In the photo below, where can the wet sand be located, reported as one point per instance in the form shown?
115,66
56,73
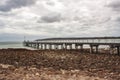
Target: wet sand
22,64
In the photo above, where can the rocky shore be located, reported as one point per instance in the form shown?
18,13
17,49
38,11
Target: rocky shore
23,64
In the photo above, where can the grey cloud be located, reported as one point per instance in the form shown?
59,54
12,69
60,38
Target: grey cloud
50,3
118,19
115,5
12,4
53,17
2,24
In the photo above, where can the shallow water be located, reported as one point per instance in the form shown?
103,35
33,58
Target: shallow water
5,45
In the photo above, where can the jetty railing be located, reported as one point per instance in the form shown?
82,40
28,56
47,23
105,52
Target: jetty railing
93,42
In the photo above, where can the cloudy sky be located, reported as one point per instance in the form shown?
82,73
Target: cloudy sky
58,18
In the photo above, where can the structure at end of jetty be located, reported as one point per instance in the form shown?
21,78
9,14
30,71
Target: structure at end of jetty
67,43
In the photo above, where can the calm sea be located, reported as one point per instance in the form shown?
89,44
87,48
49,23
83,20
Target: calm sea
5,45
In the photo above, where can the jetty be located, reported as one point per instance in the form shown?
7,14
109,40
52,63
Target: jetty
76,43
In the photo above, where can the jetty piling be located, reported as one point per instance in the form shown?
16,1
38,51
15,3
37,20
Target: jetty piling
78,43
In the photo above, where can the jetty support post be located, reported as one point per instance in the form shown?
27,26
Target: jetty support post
37,45
111,49
51,46
70,46
97,49
76,46
41,46
55,46
81,47
91,49
30,45
62,46
45,46
118,50
65,46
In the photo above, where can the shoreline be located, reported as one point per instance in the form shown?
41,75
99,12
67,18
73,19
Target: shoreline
85,50
104,67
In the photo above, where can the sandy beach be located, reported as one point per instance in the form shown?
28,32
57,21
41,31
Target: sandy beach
23,64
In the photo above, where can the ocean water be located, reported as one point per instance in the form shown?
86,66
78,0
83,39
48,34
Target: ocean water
5,45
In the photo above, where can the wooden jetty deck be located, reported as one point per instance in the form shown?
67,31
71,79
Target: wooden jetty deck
65,43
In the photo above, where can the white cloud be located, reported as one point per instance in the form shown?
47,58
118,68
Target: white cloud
58,18
54,5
